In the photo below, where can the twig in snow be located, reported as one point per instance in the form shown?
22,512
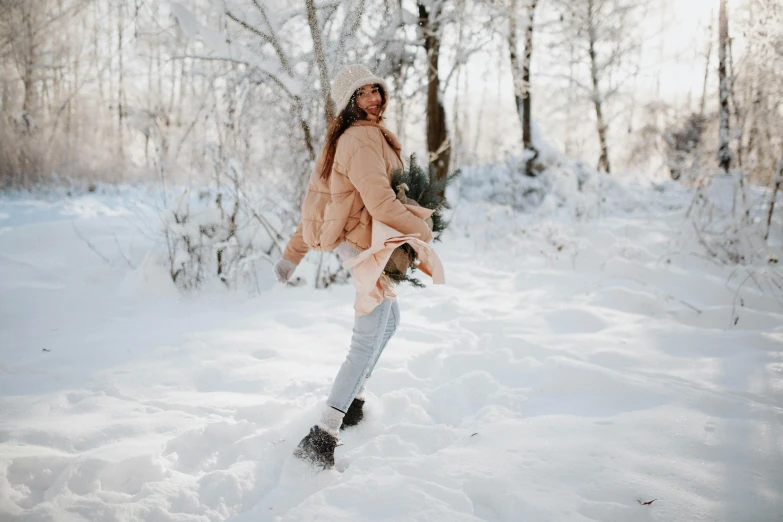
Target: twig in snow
670,296
698,311
694,254
703,241
119,249
76,231
735,317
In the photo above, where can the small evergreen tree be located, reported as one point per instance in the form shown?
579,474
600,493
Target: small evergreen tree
425,190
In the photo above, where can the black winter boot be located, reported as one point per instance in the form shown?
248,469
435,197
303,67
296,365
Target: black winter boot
317,448
354,415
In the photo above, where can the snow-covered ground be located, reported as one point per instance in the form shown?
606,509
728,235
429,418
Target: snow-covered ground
568,371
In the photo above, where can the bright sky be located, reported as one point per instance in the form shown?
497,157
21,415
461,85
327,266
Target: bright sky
685,41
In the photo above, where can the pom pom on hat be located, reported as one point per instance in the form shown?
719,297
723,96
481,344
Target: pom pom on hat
350,78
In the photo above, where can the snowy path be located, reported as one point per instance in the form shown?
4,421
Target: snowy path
563,377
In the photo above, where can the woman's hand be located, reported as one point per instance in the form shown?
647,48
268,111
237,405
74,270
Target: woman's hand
284,270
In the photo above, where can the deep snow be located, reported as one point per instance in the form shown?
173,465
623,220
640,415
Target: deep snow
567,371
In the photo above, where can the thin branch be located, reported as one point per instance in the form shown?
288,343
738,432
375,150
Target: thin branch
247,26
122,254
237,61
274,40
87,241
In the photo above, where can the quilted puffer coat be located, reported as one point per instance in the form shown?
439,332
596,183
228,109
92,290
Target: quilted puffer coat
357,192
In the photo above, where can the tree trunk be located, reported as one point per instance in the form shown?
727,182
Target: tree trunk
96,51
398,77
4,95
527,138
777,187
739,117
603,160
109,35
706,69
571,99
119,82
182,94
71,133
308,136
753,133
514,59
724,153
29,67
320,58
521,78
437,134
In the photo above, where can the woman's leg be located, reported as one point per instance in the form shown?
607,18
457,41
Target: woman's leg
355,412
369,332
391,327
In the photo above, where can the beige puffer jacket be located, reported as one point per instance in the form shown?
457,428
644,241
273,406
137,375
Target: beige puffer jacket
358,190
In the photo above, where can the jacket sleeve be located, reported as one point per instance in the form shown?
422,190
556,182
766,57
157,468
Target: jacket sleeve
367,171
296,248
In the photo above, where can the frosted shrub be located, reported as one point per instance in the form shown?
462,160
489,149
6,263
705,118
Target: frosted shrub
560,184
215,235
504,183
731,221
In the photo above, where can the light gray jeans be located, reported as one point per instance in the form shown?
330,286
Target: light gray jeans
371,333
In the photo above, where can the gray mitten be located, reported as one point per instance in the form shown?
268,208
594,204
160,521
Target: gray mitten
284,270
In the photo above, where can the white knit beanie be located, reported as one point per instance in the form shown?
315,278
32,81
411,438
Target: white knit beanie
350,78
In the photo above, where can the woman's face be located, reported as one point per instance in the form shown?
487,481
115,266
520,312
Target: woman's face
368,98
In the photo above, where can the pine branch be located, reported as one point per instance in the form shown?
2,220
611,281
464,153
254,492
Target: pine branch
424,188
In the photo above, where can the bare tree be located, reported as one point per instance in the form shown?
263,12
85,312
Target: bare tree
707,55
760,79
120,79
604,36
438,144
521,75
765,30
527,137
282,76
26,21
320,58
776,187
592,39
394,60
35,68
724,136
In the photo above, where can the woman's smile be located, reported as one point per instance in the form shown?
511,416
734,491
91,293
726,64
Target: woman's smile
368,98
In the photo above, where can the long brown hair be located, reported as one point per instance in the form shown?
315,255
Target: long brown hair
340,124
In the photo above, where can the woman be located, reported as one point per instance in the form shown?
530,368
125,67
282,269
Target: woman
348,189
